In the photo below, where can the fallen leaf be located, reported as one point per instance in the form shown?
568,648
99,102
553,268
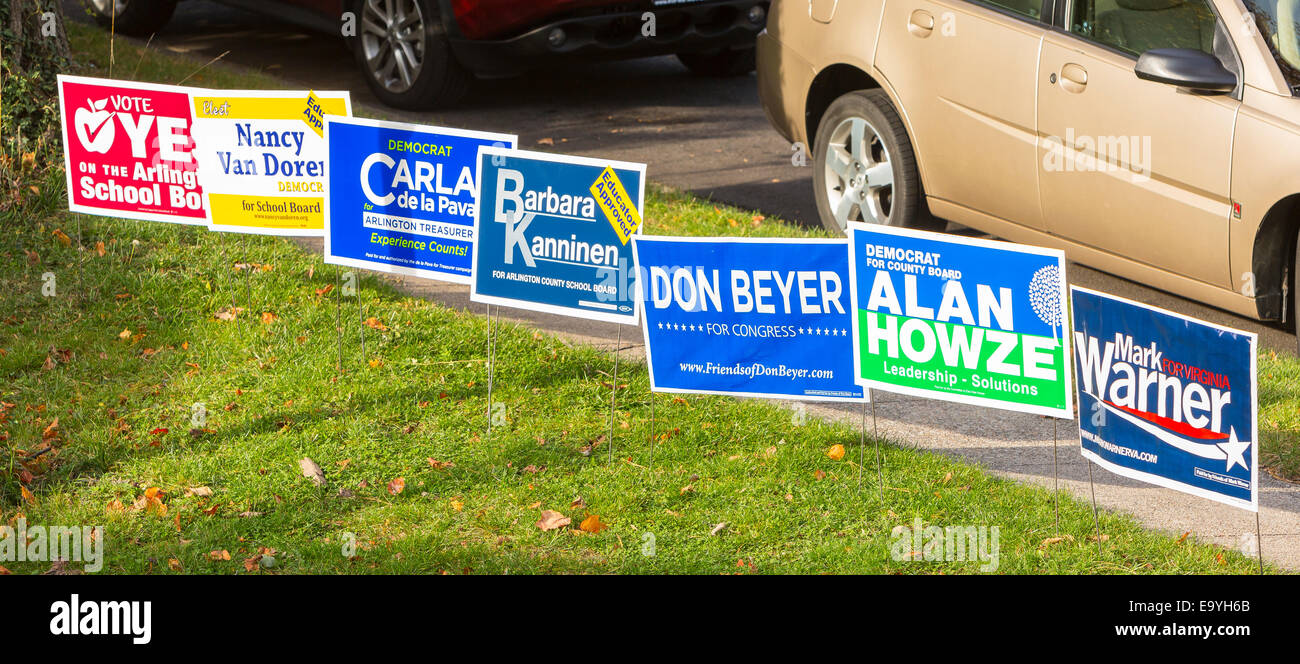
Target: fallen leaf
819,474
836,452
219,555
124,334
457,505
268,318
718,528
591,524
552,520
174,564
27,495
311,470
62,237
396,486
200,491
374,324
99,249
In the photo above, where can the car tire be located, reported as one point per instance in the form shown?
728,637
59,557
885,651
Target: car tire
721,64
135,18
405,56
864,134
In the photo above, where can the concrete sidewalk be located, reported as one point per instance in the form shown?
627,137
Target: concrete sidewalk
1012,445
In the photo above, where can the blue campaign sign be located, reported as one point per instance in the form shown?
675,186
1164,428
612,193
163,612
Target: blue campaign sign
748,317
1167,399
402,197
553,234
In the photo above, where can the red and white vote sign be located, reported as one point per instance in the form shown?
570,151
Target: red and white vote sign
128,150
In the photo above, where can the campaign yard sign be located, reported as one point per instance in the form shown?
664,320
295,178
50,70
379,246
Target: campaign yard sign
1167,399
128,150
960,319
554,234
747,317
402,198
262,159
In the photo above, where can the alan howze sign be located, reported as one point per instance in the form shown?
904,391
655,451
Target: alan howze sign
1167,399
960,319
747,317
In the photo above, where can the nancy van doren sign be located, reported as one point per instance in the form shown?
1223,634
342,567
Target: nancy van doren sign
1167,399
960,319
128,150
554,234
263,157
747,317
402,198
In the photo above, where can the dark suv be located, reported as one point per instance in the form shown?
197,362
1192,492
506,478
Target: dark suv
422,53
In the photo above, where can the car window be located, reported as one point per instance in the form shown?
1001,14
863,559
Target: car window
1030,8
1137,26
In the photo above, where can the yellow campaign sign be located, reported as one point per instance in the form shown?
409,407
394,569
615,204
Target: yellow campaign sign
619,208
261,170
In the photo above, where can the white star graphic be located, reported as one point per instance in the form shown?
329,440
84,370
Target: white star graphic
661,326
1235,450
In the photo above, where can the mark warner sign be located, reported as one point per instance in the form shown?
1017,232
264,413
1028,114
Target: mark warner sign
1167,399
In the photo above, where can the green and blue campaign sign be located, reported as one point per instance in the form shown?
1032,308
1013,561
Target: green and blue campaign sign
554,234
747,317
960,319
1167,399
402,198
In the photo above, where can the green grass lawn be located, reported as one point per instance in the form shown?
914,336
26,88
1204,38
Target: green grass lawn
101,383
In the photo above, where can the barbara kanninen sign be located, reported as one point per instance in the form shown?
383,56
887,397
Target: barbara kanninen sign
554,234
263,157
960,319
403,198
747,317
128,150
1167,399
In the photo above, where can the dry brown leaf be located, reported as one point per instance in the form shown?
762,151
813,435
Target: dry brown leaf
396,486
552,520
219,555
836,452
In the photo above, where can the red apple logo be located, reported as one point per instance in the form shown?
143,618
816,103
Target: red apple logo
94,127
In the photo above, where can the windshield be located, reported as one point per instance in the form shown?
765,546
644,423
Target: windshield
1279,22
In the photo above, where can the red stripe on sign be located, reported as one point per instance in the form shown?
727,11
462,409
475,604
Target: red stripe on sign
1180,428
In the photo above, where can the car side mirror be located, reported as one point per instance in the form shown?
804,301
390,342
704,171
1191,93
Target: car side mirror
1186,68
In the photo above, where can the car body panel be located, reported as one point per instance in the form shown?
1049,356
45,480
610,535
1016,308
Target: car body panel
1210,240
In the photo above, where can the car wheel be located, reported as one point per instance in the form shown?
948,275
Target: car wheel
405,55
864,167
724,63
137,18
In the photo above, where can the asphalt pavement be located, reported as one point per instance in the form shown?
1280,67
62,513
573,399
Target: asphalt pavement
711,138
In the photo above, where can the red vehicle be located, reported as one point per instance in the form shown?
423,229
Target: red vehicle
423,53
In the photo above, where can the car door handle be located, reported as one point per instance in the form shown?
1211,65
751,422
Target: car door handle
920,24
1074,78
